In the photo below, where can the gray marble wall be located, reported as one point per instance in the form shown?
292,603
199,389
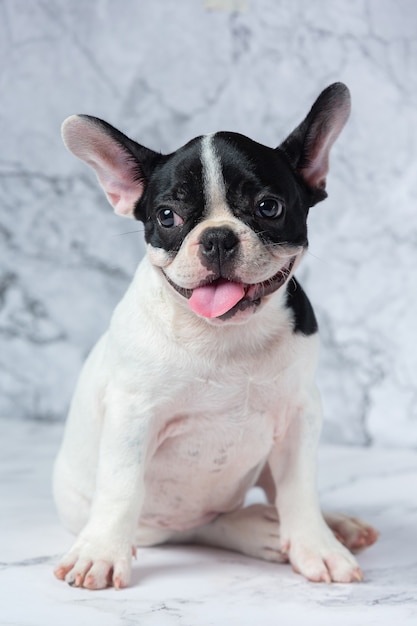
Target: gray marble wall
164,71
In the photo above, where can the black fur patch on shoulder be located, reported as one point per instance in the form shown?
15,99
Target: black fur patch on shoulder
304,319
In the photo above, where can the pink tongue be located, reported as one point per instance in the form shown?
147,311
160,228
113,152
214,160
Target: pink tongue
217,298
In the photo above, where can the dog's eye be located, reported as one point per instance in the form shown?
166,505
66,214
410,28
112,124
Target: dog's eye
168,218
269,208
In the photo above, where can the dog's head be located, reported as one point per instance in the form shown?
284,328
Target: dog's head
225,217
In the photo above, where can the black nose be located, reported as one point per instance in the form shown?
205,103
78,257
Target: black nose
219,245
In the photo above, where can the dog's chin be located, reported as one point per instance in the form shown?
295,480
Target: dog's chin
253,294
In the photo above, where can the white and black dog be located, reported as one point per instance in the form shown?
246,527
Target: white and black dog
204,384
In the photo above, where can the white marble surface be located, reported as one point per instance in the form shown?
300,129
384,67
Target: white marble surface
164,71
191,586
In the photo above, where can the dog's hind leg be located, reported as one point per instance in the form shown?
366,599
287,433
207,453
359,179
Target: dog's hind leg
253,531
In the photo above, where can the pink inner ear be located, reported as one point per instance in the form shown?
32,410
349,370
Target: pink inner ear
321,136
316,172
114,165
123,202
117,178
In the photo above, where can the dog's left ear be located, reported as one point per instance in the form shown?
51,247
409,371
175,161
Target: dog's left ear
308,146
122,165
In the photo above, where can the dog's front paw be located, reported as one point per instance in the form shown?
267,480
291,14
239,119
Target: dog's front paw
323,560
95,566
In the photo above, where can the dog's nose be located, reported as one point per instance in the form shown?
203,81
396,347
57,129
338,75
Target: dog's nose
219,245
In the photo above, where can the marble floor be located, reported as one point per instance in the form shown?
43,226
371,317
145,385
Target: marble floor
191,586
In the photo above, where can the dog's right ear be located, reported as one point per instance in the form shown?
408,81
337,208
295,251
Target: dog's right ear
122,165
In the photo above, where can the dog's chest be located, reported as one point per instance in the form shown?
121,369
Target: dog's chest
245,403
211,451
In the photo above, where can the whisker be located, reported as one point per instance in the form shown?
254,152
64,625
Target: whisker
283,253
279,248
130,232
317,257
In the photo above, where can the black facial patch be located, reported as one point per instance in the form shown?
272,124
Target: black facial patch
304,319
176,184
253,172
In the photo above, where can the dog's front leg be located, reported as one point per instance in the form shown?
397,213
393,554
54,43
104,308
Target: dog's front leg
311,546
102,553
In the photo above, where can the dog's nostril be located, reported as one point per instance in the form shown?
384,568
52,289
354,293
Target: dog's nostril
209,245
230,240
218,241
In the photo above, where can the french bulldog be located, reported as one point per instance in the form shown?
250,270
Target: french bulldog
204,384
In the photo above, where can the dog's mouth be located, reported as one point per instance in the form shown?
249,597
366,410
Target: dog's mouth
221,298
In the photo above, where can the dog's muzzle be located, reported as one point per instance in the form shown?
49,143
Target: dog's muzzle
222,298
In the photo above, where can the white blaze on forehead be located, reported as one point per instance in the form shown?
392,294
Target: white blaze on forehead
214,187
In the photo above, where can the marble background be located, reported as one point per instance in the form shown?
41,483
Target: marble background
163,72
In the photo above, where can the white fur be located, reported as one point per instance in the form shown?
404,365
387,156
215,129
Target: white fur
214,187
173,420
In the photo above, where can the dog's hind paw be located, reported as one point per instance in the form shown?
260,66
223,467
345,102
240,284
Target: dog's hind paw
352,532
253,531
